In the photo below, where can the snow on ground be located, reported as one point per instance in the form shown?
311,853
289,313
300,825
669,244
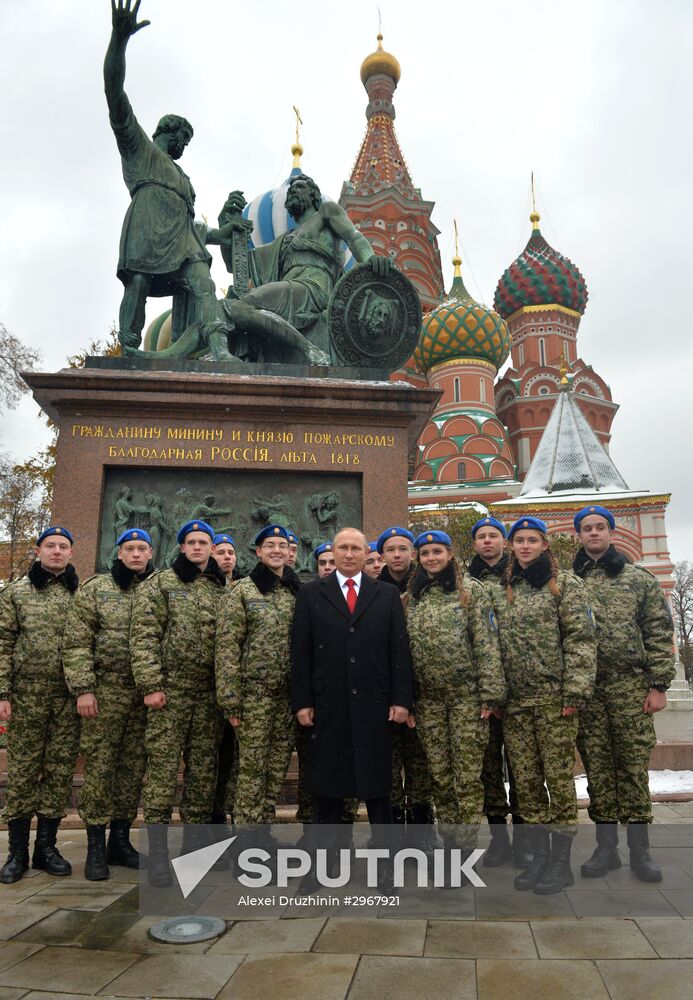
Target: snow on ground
660,782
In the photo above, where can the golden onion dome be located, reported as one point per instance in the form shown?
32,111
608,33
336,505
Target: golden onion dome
380,61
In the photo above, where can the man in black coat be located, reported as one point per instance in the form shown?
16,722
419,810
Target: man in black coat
351,677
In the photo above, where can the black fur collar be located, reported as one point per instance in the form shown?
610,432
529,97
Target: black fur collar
266,581
187,571
124,576
612,562
446,579
537,574
479,568
40,577
402,584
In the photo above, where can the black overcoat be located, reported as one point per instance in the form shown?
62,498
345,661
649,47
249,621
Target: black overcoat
350,669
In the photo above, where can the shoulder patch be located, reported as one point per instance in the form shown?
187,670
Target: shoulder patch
492,620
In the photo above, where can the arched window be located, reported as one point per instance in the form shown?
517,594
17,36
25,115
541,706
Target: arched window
521,354
542,352
482,391
461,470
456,390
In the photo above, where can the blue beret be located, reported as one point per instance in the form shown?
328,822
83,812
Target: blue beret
489,522
55,530
533,523
373,546
135,535
271,531
194,526
602,511
292,536
224,539
325,547
428,537
393,533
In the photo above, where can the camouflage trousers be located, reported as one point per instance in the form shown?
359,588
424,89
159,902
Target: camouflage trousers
227,770
541,748
265,741
615,738
304,813
493,775
454,739
411,778
187,725
112,746
42,746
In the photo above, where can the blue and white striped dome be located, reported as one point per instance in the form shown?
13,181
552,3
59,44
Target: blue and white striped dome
270,218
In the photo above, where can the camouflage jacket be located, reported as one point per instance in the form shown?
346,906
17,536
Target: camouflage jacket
97,639
454,647
635,632
174,618
548,643
33,619
489,576
254,638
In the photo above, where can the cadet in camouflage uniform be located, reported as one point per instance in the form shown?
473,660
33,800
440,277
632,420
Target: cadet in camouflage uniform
488,565
412,789
172,654
43,735
373,565
458,681
96,660
635,666
224,551
549,651
253,675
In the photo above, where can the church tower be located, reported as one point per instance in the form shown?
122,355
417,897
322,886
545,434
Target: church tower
542,297
380,197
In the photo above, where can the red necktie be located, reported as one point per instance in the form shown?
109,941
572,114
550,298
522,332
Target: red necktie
351,596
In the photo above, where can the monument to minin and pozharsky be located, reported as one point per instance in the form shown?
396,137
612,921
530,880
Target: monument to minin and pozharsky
271,404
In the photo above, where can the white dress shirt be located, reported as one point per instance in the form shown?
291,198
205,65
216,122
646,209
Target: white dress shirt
341,580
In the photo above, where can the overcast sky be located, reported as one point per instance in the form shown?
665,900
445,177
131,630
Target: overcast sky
593,95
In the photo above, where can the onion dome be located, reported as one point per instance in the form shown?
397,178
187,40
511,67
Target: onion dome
541,276
380,61
461,327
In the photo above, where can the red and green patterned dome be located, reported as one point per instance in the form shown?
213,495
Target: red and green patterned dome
461,327
541,276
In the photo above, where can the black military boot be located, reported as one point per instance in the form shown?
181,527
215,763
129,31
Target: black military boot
558,874
18,858
158,870
539,841
641,860
605,857
499,851
46,855
120,851
424,837
522,847
96,867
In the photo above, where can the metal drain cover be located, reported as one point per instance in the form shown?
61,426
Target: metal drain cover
187,930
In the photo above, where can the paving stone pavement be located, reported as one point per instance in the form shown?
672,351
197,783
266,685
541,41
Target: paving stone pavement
603,939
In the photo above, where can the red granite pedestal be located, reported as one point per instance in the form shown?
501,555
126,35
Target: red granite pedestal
231,435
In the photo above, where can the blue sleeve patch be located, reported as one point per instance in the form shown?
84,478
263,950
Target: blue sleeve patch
493,621
590,618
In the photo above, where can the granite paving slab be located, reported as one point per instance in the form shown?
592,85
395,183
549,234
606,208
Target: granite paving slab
642,980
68,969
479,939
379,978
498,979
296,977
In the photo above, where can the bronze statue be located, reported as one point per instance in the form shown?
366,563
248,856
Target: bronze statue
162,252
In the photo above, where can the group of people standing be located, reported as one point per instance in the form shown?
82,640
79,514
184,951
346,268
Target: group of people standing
403,681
